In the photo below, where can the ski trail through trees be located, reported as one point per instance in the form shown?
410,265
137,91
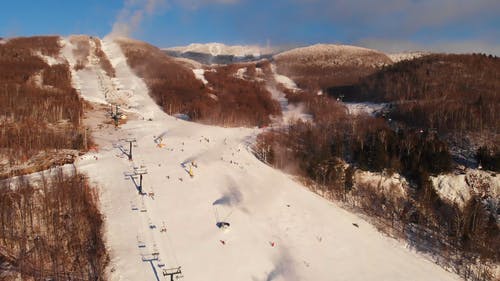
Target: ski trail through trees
278,230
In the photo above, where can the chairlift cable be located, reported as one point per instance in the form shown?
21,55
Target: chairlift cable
216,214
229,215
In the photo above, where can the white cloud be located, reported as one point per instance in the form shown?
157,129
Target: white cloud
133,12
195,4
455,26
401,15
131,15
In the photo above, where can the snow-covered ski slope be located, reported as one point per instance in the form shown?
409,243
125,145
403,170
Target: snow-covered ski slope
278,229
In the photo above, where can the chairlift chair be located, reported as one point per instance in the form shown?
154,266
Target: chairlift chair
223,224
133,206
151,225
160,263
143,207
140,243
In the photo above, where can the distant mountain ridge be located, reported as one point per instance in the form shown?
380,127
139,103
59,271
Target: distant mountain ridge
218,53
217,49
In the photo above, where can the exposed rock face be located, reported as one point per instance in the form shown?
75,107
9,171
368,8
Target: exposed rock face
460,188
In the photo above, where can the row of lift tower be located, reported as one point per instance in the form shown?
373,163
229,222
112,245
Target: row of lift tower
138,173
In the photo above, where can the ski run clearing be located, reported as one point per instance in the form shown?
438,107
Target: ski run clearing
234,219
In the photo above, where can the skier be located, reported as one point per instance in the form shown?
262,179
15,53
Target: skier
163,228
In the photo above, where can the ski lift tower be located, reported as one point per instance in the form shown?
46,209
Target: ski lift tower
140,172
116,115
130,141
176,271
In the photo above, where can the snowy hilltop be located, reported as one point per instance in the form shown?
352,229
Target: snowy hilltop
218,53
219,49
331,54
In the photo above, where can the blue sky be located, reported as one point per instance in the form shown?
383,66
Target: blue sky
390,25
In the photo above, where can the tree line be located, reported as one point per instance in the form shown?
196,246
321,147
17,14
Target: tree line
450,93
51,229
226,100
327,152
39,109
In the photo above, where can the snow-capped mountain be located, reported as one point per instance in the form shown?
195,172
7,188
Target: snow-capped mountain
219,49
219,53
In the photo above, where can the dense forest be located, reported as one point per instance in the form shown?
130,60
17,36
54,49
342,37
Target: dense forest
39,109
444,92
226,101
241,99
434,102
51,229
328,152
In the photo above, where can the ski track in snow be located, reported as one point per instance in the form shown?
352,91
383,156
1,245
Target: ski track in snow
278,229
290,112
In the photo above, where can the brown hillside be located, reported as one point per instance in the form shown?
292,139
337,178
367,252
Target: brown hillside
321,66
447,92
40,112
51,229
225,100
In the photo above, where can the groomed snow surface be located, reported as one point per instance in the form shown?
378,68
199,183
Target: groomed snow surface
278,229
290,112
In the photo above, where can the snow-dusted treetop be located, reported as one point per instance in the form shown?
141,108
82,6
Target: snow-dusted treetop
397,57
336,55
